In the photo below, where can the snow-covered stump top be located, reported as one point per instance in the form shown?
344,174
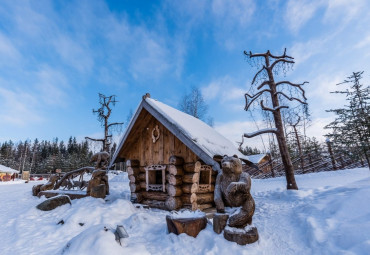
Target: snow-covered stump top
188,222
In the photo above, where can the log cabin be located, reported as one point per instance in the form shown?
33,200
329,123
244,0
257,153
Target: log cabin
263,163
7,173
172,159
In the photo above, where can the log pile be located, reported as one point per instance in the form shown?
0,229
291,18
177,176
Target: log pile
133,171
175,179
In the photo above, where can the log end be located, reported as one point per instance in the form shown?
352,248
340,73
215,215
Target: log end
189,226
241,236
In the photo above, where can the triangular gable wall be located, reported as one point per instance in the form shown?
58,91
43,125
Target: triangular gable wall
139,143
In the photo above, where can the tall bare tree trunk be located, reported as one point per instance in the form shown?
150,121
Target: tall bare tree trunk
268,80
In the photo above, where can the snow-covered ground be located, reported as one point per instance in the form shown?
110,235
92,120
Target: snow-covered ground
330,214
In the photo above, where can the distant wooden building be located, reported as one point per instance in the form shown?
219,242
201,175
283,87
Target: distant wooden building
7,174
172,158
262,161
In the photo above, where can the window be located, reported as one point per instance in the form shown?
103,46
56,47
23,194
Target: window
155,178
205,177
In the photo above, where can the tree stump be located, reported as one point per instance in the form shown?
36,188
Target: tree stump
98,191
189,226
241,236
52,203
219,222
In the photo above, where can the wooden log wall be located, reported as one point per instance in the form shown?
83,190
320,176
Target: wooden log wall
182,186
174,183
199,199
133,171
190,184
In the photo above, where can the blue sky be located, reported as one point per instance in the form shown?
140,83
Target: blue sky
55,56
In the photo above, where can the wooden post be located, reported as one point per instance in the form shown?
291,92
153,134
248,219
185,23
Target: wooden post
331,154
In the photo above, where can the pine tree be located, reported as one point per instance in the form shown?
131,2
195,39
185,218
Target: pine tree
351,128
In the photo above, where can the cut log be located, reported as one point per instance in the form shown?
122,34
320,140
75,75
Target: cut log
133,171
142,185
174,160
141,177
192,167
194,206
201,207
241,236
185,198
155,204
208,190
191,178
131,178
189,226
134,188
154,195
136,197
132,163
173,179
190,188
175,170
193,198
173,203
173,191
202,198
98,191
219,222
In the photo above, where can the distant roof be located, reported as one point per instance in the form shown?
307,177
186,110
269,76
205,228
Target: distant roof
255,159
202,139
5,169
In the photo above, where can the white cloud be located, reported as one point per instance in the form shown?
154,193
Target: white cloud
73,53
363,43
235,129
18,108
51,86
237,11
343,11
298,13
225,91
316,129
8,52
212,90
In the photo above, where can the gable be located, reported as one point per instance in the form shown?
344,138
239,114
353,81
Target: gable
139,143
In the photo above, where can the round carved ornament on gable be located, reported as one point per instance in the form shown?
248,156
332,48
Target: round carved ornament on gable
155,134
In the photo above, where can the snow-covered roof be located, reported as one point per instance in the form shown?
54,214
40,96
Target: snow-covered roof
202,139
5,169
255,159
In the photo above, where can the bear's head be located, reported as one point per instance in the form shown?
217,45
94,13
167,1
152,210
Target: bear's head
231,165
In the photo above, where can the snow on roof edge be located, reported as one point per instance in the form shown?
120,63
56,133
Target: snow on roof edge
5,169
153,103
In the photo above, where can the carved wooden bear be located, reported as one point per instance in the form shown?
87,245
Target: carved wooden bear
101,158
233,190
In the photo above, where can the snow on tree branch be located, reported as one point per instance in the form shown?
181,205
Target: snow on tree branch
290,98
297,85
260,132
272,109
253,98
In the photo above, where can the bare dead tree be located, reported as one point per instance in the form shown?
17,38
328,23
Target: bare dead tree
294,126
103,113
276,93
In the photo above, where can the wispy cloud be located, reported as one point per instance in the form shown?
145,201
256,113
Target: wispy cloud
298,13
8,52
234,130
18,108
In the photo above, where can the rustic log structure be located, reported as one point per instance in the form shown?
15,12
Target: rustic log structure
167,166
